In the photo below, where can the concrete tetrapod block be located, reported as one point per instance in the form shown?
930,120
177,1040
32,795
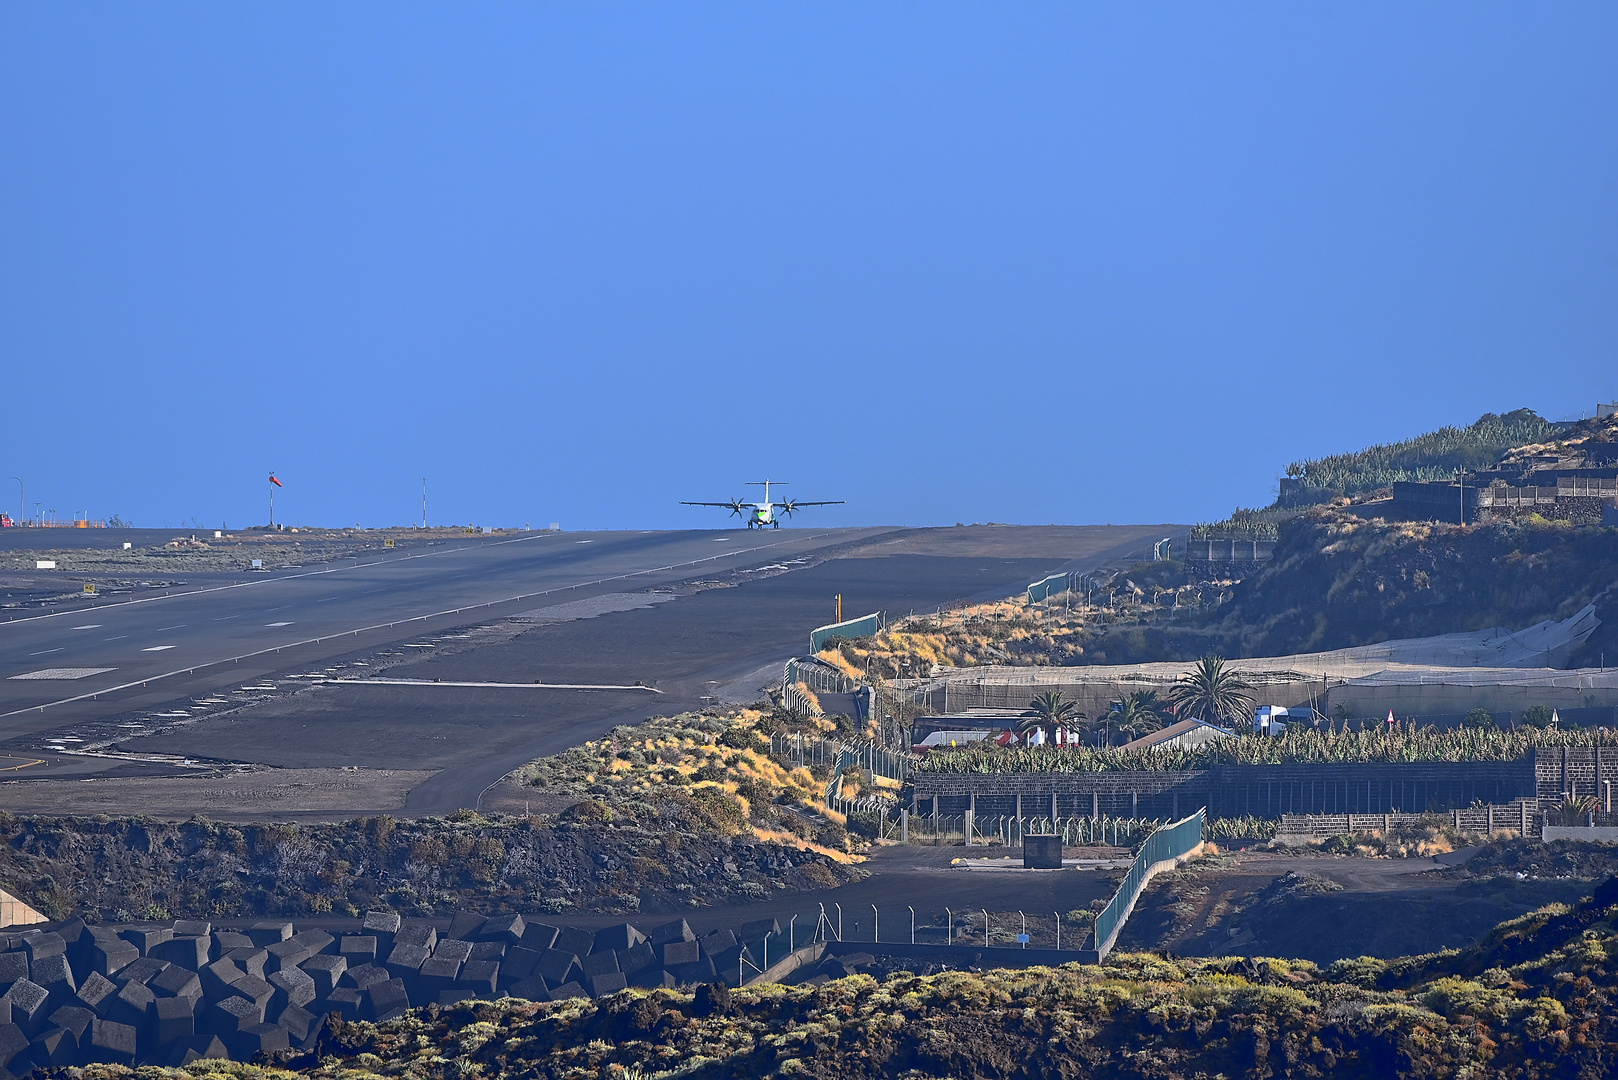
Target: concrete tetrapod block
316,941
617,938
227,1017
487,950
197,1048
679,952
608,983
94,992
226,940
385,1000
109,956
653,978
191,928
640,957
178,982
172,1018
54,974
28,1000
190,951
13,966
143,970
112,1042
481,977
578,942
569,990
292,987
132,1004
251,960
519,963
423,937
678,930
254,990
13,1041
345,1000
259,1039
358,948
405,960
146,939
718,943
455,949
268,932
382,922
557,966
42,945
364,975
326,970
285,954
54,1048
598,964
464,924
74,1018
538,937
436,976
507,929
533,988
218,977
299,1022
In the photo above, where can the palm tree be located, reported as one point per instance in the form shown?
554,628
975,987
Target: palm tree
1141,713
1052,712
1212,692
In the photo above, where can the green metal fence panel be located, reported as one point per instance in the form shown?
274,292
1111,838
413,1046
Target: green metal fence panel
866,626
1166,843
1050,586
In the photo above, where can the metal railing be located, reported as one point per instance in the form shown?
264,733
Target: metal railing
1167,845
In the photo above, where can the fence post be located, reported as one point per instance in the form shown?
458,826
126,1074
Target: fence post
904,825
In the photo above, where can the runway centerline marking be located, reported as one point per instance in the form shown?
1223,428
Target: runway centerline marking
176,626
44,652
277,624
120,637
91,626
157,648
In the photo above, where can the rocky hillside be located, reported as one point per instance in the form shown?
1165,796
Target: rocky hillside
1338,579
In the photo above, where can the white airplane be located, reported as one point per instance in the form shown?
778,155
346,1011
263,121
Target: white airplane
764,515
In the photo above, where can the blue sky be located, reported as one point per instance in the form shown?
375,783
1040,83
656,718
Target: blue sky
950,262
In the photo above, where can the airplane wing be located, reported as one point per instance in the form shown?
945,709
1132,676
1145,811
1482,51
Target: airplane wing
794,504
726,505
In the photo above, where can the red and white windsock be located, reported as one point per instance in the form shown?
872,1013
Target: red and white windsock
274,481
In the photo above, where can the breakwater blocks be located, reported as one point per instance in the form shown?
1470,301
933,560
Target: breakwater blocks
1042,852
171,994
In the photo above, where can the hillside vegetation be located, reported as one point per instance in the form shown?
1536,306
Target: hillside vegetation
1435,455
1535,999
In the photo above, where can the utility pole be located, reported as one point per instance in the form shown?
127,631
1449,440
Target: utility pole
424,502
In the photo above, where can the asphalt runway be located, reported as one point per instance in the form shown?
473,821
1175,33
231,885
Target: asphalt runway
736,628
104,658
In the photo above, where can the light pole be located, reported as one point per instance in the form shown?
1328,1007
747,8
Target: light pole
22,501
424,502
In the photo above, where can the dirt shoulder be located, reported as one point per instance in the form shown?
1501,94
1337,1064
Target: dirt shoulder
235,794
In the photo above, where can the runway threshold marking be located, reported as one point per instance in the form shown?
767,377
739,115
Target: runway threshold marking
417,618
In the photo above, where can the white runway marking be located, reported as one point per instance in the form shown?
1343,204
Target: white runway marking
157,648
92,626
63,673
176,626
44,652
277,624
